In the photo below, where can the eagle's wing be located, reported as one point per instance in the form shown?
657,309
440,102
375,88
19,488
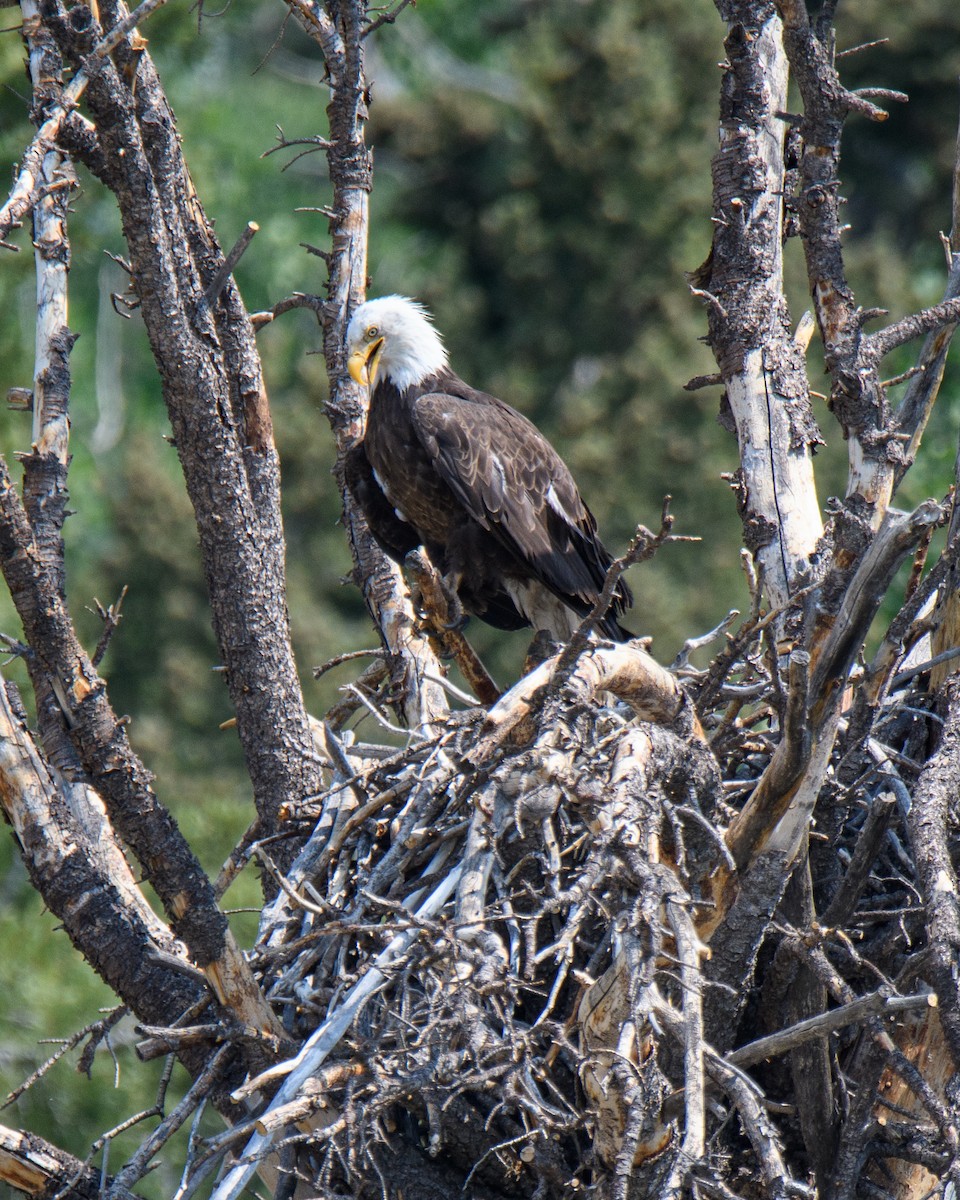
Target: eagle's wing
393,535
511,480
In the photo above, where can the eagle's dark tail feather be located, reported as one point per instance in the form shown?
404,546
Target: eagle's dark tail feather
611,628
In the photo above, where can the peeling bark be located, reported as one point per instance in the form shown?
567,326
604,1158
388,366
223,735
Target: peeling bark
761,364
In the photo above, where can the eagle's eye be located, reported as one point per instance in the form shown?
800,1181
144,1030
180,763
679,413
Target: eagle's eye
372,333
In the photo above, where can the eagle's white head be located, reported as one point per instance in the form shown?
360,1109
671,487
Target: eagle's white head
393,337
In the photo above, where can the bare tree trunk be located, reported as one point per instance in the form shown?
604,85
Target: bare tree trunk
761,361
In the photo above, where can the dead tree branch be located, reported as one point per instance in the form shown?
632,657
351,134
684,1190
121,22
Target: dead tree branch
337,28
36,1167
761,364
215,396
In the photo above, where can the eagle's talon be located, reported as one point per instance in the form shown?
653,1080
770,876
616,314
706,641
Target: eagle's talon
457,618
426,626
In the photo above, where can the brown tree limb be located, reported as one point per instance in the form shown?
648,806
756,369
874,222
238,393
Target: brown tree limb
338,29
898,1062
855,878
780,781
852,1013
215,396
102,746
454,644
70,850
904,631
810,1066
917,404
845,633
928,320
139,1164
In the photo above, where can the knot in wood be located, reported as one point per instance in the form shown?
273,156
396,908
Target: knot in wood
885,443
355,170
850,530
739,37
81,18
758,532
816,196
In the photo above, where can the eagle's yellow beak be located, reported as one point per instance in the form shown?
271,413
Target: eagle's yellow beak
362,363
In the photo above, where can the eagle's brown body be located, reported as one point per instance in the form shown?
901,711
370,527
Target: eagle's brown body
496,508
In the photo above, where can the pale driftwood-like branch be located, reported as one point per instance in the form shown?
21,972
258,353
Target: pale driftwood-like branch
800,761
930,821
36,1167
30,180
628,672
323,1041
747,1100
613,1019
45,468
689,951
908,628
51,248
853,1013
761,364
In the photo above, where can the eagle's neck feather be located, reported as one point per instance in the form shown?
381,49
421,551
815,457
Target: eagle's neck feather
409,361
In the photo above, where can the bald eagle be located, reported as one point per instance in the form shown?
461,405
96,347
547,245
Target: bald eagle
472,481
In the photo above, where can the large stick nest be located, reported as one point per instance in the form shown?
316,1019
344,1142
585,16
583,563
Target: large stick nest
491,941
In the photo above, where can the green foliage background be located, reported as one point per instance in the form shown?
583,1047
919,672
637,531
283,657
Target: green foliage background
542,183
